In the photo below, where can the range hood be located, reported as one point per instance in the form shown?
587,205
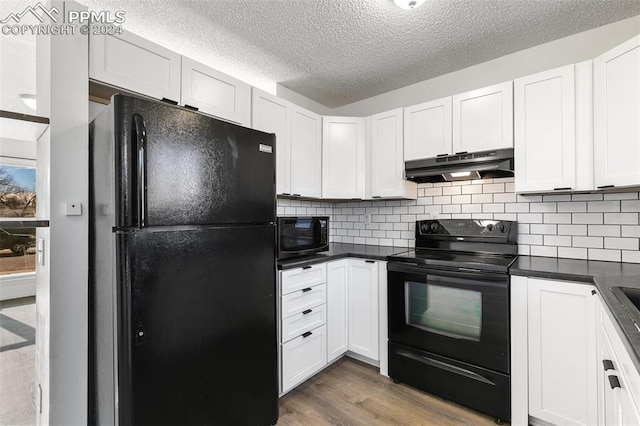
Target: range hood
462,166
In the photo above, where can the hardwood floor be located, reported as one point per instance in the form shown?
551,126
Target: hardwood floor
353,393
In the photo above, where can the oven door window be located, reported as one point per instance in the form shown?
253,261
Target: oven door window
451,312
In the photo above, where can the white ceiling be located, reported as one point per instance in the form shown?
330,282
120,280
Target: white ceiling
338,51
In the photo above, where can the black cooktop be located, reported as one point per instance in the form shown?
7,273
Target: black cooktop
451,259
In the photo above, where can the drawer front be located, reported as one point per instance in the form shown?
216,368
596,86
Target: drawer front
307,320
294,303
303,356
299,278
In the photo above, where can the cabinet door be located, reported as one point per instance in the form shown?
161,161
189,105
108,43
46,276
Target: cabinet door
343,157
337,331
215,93
387,161
273,115
616,116
545,152
427,129
562,352
483,119
306,153
303,356
136,64
363,308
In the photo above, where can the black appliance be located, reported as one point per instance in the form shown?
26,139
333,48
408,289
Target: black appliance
182,269
302,235
448,308
462,166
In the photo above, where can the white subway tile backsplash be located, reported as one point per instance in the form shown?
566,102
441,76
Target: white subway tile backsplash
557,240
631,256
572,207
572,229
606,255
573,252
603,206
621,243
587,218
578,226
592,242
451,190
546,251
621,218
604,230
544,229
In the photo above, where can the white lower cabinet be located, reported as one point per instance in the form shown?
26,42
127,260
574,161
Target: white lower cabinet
303,356
618,380
363,308
554,376
337,321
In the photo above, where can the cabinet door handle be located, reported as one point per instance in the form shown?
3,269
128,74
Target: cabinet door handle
286,193
296,195
169,101
442,155
614,382
307,334
370,261
565,188
593,292
606,186
306,267
308,311
376,196
461,152
191,107
304,290
607,364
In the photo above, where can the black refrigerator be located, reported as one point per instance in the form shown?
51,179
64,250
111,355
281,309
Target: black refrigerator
182,269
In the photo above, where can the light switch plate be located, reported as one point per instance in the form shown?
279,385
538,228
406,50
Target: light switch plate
73,208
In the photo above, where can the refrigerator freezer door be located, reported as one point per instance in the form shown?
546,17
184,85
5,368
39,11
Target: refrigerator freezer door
201,327
178,167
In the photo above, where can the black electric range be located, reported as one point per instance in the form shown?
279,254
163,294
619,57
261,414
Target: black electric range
448,308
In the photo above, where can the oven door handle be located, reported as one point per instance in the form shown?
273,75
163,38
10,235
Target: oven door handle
445,366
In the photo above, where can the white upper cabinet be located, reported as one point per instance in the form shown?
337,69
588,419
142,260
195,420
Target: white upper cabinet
483,119
343,157
545,131
215,93
387,162
273,115
617,116
306,153
133,63
427,129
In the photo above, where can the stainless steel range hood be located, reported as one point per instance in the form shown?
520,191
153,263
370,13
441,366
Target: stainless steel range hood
462,166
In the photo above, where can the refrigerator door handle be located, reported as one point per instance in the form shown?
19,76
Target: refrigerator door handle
141,145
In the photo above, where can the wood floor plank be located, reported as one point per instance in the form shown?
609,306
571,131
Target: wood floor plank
352,393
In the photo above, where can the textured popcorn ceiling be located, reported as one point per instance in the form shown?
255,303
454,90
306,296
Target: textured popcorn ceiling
340,51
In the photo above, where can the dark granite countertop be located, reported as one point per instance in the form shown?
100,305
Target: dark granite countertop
340,251
605,276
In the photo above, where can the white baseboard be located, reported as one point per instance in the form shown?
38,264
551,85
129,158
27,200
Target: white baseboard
13,286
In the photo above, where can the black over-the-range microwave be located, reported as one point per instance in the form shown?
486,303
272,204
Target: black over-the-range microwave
302,235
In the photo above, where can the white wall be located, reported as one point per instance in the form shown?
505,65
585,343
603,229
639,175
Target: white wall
568,50
302,101
63,91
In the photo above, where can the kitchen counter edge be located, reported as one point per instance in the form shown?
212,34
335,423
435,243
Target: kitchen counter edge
342,251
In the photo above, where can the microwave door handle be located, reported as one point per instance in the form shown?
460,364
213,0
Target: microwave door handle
140,131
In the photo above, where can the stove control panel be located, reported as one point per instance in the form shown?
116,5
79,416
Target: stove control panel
460,229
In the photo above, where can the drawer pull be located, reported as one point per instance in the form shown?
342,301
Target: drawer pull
304,290
613,381
306,267
607,364
308,311
307,334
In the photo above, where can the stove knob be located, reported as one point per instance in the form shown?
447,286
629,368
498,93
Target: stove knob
434,226
489,227
502,228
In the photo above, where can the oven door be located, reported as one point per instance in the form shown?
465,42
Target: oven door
463,315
